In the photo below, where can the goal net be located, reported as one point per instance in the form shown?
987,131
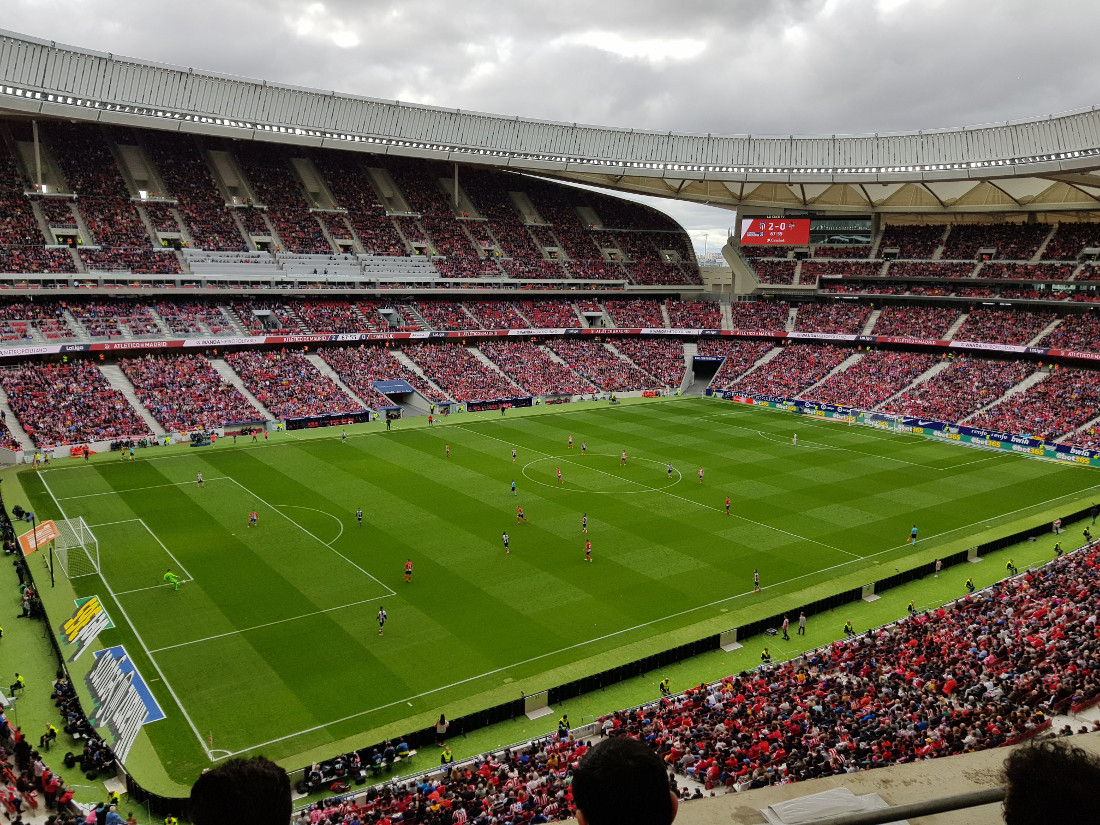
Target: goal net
76,548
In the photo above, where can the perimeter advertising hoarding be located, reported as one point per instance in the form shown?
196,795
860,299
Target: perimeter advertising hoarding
775,231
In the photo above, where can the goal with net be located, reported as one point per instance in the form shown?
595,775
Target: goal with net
76,548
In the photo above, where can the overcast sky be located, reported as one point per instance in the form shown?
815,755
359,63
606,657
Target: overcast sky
722,66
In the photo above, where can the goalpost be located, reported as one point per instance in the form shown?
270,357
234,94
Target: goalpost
76,548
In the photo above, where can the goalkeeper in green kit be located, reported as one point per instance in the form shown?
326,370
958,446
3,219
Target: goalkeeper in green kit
172,578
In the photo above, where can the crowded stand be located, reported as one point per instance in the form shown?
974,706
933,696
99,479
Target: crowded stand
337,227
161,217
1012,241
872,379
962,292
35,259
316,316
254,222
1027,272
260,316
663,359
419,182
115,319
276,186
185,393
467,266
1070,240
635,313
961,389
193,318
769,271
850,252
1090,272
7,439
594,270
366,215
1077,331
360,367
912,241
188,179
21,242
812,271
916,321
661,274
1003,326
572,235
599,365
694,314
794,370
760,316
533,369
832,319
534,269
462,375
1058,404
549,314
58,212
496,315
445,315
930,269
68,403
289,385
489,193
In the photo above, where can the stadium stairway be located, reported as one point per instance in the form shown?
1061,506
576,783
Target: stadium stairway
412,315
792,314
115,377
329,372
727,315
1047,330
664,315
1023,386
492,367
412,365
689,386
951,330
872,319
920,379
850,361
226,372
13,424
1038,256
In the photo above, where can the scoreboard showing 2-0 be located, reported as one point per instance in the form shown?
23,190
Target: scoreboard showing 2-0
775,231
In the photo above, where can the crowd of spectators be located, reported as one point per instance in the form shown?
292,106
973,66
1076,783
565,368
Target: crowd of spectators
852,252
489,194
533,269
185,393
915,321
1003,326
1026,271
1070,240
360,367
694,314
289,385
812,271
320,317
663,274
161,217
1077,331
549,314
68,403
351,188
661,358
1058,404
961,389
467,266
635,313
276,186
21,259
21,242
1089,272
1012,241
58,212
194,318
794,370
496,315
832,319
771,271
529,366
930,269
596,269
760,316
115,319
445,315
912,241
603,368
740,357
461,374
19,320
872,379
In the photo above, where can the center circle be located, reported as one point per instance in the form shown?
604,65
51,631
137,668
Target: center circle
575,462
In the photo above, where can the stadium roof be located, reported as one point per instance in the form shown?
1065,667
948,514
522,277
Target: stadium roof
1049,163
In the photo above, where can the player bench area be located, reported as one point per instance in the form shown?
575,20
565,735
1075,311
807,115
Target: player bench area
351,768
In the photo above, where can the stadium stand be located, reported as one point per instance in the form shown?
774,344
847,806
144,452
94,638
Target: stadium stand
276,187
185,393
68,403
964,387
663,359
289,385
1052,408
834,319
360,367
1003,326
1013,242
462,375
694,314
1079,332
757,316
534,370
599,365
636,313
915,321
794,370
912,241
872,379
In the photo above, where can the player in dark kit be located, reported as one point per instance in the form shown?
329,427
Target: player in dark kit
584,523
381,619
504,538
359,515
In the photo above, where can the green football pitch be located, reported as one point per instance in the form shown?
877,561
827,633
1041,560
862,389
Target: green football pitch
272,645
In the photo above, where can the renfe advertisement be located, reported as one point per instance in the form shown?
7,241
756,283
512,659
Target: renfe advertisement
775,231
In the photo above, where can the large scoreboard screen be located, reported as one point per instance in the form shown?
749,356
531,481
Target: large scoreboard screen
775,231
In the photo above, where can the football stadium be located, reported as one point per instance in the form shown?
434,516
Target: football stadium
404,446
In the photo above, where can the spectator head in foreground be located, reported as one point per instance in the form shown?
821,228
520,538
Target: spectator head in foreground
252,791
623,780
1051,782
